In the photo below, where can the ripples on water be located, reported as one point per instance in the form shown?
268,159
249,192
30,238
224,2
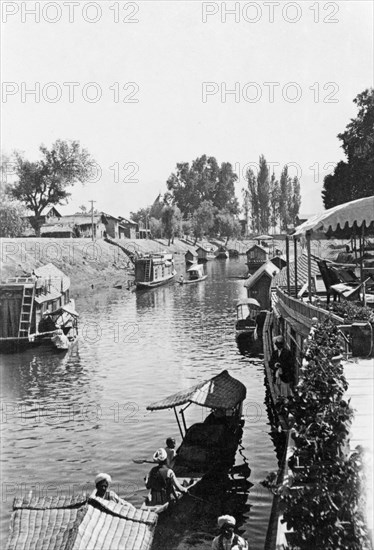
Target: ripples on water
67,417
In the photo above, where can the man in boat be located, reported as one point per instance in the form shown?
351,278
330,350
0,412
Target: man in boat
170,451
162,482
227,539
102,482
282,365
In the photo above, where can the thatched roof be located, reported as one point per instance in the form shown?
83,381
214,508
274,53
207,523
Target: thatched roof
220,392
78,523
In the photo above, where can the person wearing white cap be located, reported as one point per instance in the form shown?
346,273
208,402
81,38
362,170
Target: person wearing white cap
282,365
227,539
102,482
161,481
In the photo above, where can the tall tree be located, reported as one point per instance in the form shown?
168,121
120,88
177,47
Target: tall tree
254,200
274,197
263,186
354,179
171,222
295,200
228,226
204,180
284,201
45,182
13,219
203,219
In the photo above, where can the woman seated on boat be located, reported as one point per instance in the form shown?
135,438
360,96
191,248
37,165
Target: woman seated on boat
162,482
227,539
102,482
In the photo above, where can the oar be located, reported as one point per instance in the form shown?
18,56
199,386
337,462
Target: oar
143,461
198,498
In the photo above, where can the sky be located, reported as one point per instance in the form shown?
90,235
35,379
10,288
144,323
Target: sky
144,85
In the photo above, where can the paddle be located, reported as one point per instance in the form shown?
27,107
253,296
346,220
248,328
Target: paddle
143,461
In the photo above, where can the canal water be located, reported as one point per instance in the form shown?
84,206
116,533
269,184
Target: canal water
67,417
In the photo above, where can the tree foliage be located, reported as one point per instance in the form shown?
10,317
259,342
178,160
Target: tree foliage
203,180
354,178
45,182
203,219
271,201
171,222
13,221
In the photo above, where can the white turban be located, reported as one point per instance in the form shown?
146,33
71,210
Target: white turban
160,455
102,477
226,520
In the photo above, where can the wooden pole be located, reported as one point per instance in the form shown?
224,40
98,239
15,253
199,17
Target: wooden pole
179,426
288,264
295,260
308,237
92,219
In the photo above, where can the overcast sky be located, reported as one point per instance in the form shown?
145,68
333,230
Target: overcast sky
144,85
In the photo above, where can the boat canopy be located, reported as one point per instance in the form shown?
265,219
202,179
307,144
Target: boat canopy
220,392
248,302
342,219
64,309
196,267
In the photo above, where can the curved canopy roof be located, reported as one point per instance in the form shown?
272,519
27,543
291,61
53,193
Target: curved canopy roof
220,392
342,218
248,302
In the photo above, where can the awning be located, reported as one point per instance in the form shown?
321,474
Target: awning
196,267
220,392
64,309
342,218
248,302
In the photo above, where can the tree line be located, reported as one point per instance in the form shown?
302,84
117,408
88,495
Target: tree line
200,197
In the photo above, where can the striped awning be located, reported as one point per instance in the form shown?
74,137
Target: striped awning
342,218
220,392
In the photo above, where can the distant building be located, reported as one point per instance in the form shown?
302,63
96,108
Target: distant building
259,284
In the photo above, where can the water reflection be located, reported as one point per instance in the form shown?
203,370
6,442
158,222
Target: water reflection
68,417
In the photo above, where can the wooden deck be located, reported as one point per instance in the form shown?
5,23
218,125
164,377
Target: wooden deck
360,377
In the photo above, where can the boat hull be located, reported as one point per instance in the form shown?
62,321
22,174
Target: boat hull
188,282
153,284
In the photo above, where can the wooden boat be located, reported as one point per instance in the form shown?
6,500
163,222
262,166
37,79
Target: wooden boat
208,448
222,253
195,275
66,319
247,311
154,270
26,304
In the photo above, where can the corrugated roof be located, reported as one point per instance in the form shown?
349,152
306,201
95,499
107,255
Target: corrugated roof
220,392
54,282
302,271
78,523
268,267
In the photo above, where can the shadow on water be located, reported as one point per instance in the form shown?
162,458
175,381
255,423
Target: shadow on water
193,521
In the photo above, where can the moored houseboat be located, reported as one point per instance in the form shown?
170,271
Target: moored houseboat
154,270
205,254
256,256
26,304
222,253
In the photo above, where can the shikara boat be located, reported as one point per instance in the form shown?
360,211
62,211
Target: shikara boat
195,275
66,319
208,448
154,270
247,333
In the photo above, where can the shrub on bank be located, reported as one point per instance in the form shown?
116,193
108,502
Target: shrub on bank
322,505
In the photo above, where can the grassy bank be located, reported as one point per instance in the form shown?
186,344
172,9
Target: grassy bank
87,263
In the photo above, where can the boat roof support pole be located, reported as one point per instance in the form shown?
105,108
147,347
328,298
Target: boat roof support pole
295,260
362,252
288,263
308,237
179,426
184,420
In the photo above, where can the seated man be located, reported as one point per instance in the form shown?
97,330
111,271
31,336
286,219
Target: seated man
282,365
227,540
102,482
162,482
